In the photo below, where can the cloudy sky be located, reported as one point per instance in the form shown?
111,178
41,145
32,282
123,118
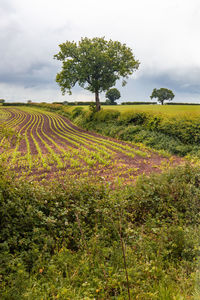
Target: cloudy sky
163,34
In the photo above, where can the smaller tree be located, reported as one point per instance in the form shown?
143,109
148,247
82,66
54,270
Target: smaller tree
162,94
112,95
2,101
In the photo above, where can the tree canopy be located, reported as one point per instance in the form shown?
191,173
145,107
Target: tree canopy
95,64
112,95
162,94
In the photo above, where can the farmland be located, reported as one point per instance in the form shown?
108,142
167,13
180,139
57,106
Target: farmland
87,211
47,145
168,110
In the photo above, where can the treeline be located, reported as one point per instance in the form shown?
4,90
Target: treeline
81,103
138,103
15,104
179,103
58,103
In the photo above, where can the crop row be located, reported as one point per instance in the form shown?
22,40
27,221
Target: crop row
47,142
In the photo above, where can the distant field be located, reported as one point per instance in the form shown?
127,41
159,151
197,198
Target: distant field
172,110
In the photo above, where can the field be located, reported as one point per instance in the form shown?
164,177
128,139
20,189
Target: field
168,110
88,211
46,145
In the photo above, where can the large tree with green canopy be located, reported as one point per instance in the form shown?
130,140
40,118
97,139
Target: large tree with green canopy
95,64
162,94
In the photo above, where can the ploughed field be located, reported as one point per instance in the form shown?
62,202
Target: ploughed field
40,144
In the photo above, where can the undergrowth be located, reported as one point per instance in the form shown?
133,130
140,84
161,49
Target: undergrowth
84,240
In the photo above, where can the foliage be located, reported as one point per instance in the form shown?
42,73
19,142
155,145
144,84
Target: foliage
112,95
77,111
92,107
63,240
162,94
95,64
105,115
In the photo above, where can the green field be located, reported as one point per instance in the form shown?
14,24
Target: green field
169,110
166,109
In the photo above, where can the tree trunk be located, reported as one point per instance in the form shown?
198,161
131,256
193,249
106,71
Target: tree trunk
98,105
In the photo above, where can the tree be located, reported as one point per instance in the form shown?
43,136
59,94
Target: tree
112,95
2,101
95,64
162,94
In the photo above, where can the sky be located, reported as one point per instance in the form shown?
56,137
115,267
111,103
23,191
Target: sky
164,37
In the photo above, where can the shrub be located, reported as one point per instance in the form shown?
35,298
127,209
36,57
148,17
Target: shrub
77,112
106,115
64,240
137,118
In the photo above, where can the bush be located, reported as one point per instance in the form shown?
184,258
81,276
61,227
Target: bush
137,118
186,129
77,112
64,240
106,115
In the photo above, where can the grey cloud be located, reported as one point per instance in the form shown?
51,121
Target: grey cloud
185,83
31,31
7,6
181,80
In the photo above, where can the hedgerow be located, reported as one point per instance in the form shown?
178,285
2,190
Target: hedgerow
180,135
67,240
